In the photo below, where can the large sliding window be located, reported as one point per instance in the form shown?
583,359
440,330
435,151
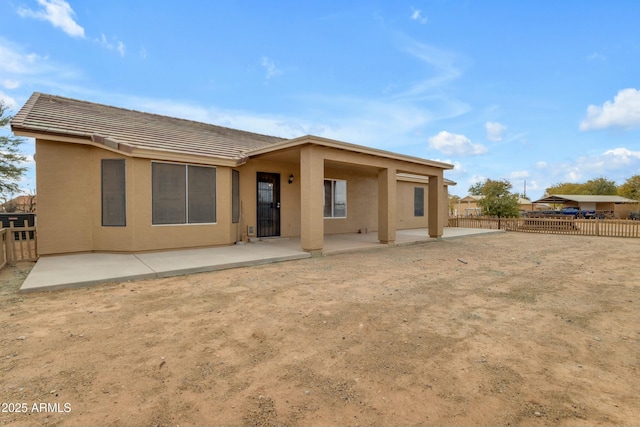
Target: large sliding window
335,198
114,193
183,194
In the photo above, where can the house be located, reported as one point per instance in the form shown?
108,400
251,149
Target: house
615,206
25,203
116,180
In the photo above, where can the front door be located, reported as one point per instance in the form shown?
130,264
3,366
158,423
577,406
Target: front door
268,204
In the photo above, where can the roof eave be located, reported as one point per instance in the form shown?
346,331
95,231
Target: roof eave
310,139
115,146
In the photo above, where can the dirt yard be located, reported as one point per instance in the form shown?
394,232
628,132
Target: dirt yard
504,329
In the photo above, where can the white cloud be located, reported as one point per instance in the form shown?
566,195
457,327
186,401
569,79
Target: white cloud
495,131
8,101
616,164
458,169
519,175
454,144
58,13
623,112
14,62
24,69
442,68
443,63
622,157
417,16
541,164
10,84
270,67
476,179
114,44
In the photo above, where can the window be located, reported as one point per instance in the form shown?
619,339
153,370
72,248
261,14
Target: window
235,196
183,194
418,201
335,198
114,197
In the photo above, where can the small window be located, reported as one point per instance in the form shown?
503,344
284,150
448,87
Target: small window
235,196
182,194
335,198
114,193
418,201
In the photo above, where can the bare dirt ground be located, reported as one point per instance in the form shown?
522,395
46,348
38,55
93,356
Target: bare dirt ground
505,329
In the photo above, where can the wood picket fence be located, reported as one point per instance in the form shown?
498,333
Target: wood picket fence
565,225
18,244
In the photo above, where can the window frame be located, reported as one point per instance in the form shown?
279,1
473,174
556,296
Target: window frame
333,201
187,222
103,200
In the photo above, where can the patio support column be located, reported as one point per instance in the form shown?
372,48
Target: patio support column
387,205
311,199
434,207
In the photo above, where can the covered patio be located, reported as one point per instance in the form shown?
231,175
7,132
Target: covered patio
374,173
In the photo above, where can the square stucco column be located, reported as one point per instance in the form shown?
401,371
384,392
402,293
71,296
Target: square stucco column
436,194
311,199
387,208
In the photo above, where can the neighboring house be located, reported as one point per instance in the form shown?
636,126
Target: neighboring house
149,182
468,205
617,206
21,204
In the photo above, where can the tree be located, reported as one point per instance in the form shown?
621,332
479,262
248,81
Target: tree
597,186
497,198
564,188
600,186
10,157
631,188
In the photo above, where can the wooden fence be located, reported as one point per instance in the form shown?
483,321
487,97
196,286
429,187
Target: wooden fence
18,244
583,227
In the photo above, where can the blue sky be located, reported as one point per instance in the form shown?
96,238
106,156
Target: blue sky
536,91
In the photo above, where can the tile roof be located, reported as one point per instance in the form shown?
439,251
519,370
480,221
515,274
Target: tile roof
55,115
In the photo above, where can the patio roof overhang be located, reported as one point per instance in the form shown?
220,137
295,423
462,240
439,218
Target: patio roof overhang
339,145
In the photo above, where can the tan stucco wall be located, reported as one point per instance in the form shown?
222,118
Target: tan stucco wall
64,187
69,201
406,217
362,202
69,207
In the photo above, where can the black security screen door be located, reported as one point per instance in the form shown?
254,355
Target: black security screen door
268,204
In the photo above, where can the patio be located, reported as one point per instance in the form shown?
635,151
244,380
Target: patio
77,270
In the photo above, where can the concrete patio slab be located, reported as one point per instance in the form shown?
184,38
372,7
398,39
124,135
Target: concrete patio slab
189,261
69,271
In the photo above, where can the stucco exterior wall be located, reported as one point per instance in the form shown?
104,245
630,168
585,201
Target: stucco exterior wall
64,185
406,217
70,206
362,202
70,201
